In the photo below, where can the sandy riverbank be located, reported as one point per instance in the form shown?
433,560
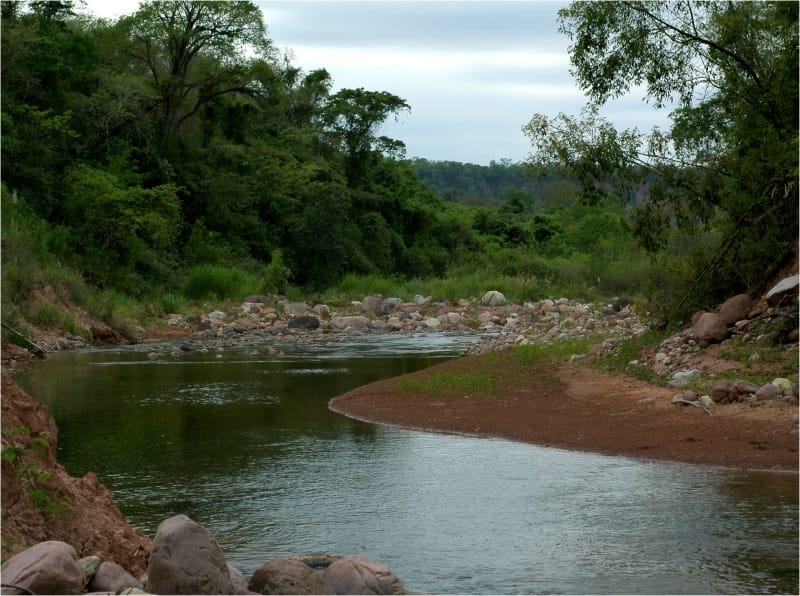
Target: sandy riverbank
575,406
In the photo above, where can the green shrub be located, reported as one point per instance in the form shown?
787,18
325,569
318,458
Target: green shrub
276,275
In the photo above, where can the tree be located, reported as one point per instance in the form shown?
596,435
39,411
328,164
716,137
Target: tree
195,52
351,119
729,159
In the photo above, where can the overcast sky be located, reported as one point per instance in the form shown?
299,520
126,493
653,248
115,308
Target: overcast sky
473,72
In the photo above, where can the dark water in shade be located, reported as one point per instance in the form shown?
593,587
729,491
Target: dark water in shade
246,446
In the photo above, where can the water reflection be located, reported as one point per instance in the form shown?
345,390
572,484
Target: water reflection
248,447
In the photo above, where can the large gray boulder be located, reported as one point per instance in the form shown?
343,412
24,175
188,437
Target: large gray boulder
295,308
186,559
50,567
710,327
357,322
735,309
287,576
357,575
111,577
375,305
493,298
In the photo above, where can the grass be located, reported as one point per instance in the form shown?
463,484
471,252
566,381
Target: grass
742,352
453,383
556,351
218,282
171,303
631,349
47,315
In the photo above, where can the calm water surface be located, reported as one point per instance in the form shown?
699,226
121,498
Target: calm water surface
245,445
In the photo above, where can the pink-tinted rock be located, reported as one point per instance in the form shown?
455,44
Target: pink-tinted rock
238,580
746,387
736,308
710,327
186,559
50,567
357,575
111,577
767,392
724,391
357,322
287,576
696,316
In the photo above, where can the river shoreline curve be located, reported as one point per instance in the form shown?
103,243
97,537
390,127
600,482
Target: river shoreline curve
577,407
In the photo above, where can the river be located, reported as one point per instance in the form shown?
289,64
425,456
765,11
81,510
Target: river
243,442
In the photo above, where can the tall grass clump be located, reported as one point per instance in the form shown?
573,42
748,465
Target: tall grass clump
218,282
170,303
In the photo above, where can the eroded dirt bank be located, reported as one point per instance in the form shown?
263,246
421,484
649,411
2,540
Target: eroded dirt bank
575,406
40,501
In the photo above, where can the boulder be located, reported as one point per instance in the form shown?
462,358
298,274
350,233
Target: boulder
322,311
783,384
710,327
242,326
295,308
420,300
735,309
786,287
745,387
724,391
493,298
392,303
304,322
432,323
357,575
394,323
696,316
238,580
453,318
356,322
90,565
111,577
50,567
186,559
287,576
217,315
767,392
375,305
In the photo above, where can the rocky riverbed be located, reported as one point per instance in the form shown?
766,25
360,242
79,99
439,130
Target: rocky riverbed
262,322
186,559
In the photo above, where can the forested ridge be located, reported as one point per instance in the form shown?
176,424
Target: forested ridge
175,154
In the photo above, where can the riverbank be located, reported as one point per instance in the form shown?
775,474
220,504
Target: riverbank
576,406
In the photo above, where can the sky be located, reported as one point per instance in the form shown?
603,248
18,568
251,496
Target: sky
472,72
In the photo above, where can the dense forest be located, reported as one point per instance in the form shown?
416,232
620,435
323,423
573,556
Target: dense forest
498,183
175,154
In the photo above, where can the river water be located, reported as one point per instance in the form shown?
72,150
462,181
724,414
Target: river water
244,444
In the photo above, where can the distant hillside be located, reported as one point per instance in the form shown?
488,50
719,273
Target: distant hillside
493,184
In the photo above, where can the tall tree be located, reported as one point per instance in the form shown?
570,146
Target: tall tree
730,71
352,118
195,52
